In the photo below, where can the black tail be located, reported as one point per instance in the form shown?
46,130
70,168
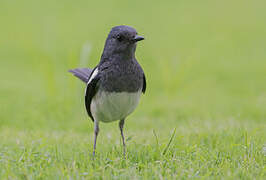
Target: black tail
82,73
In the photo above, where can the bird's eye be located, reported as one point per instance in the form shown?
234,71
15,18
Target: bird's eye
119,37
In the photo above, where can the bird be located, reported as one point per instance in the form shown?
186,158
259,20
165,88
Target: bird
115,85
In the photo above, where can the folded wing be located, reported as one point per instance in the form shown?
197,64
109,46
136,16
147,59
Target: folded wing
91,90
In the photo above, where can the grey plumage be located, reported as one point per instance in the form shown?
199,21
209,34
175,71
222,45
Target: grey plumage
120,75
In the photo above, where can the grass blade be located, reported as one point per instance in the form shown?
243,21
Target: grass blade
156,137
169,143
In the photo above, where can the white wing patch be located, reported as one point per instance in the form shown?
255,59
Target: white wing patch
95,72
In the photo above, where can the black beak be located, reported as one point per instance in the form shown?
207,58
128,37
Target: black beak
138,38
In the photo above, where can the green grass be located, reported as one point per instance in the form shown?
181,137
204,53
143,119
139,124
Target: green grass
203,115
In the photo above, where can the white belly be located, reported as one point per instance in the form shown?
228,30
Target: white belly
108,107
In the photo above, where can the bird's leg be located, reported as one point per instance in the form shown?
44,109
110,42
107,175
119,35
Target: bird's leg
96,131
121,126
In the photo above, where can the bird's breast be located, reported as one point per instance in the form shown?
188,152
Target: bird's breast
122,78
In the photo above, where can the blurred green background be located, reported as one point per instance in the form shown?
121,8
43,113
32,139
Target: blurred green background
203,59
205,65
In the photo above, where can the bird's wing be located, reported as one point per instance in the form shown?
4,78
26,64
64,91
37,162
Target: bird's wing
144,84
82,73
91,90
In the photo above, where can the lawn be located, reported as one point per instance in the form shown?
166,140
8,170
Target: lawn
204,112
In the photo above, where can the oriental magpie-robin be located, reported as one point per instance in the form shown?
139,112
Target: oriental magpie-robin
115,85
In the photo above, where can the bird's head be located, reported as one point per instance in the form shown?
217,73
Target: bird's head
122,40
